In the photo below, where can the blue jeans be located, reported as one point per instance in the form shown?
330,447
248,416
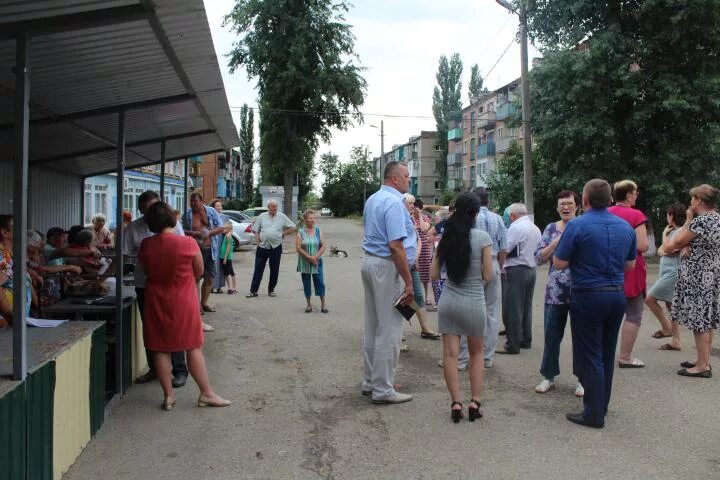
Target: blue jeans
317,281
555,320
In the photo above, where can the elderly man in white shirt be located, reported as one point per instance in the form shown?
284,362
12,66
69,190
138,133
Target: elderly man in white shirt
270,228
523,238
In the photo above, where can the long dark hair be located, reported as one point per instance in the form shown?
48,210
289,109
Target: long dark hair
454,248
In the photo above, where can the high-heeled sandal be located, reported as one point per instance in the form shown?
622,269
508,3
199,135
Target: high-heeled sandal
168,404
474,413
456,415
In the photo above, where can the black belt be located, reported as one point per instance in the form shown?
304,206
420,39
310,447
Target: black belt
609,288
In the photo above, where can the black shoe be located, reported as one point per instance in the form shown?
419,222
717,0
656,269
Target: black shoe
272,294
456,414
506,351
251,295
501,332
704,374
526,346
580,420
148,377
474,413
179,380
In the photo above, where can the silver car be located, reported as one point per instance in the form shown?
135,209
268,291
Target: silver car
242,227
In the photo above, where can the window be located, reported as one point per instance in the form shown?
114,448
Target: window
437,187
472,121
472,176
472,148
465,147
465,173
482,168
88,204
436,147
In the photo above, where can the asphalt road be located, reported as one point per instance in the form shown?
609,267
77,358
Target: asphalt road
298,413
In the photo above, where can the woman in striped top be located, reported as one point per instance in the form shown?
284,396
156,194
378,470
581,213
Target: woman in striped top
310,245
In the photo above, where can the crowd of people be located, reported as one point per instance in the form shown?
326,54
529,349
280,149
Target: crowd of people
483,269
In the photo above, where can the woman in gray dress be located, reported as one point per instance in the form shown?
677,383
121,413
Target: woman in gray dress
465,254
664,287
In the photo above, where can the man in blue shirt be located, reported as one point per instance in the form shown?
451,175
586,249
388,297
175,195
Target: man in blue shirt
599,248
390,247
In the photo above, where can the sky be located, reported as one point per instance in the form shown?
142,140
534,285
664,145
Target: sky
399,43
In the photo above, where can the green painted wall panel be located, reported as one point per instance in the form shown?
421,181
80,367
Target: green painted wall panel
13,434
40,407
97,380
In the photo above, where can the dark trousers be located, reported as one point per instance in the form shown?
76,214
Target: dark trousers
555,320
595,318
517,306
178,358
262,255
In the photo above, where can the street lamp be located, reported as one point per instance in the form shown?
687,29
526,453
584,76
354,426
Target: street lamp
382,139
527,143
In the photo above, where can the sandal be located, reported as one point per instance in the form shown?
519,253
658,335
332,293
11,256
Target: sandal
208,308
659,334
668,346
456,413
324,310
431,335
308,309
251,295
474,413
635,363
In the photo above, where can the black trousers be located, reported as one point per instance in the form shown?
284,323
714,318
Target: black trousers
178,358
262,255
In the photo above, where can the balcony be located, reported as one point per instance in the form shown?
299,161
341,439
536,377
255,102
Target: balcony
486,150
503,144
486,121
454,159
455,134
505,110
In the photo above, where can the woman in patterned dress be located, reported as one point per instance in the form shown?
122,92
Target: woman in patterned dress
422,226
696,302
310,245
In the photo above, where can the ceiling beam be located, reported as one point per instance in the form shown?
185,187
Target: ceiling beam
172,159
74,21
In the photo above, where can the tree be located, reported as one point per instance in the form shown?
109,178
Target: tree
247,148
475,88
447,99
628,90
301,52
345,183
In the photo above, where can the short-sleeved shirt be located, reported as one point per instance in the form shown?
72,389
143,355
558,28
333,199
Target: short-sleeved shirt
271,228
214,222
597,245
385,220
102,238
635,279
227,247
51,258
133,235
557,289
523,238
492,224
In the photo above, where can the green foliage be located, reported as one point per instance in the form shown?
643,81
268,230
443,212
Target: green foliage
236,204
447,98
447,196
302,54
346,184
475,88
639,99
247,147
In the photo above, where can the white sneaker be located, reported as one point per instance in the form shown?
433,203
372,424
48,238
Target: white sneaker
460,367
545,386
207,328
579,390
397,398
404,347
489,362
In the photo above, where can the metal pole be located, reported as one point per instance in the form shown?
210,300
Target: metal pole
119,320
527,140
20,190
365,176
185,190
162,171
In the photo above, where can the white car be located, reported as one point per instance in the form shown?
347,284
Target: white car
242,227
326,212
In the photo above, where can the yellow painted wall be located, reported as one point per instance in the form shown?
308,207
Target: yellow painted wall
71,415
139,362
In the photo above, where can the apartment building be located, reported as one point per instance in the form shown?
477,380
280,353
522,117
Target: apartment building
480,134
421,154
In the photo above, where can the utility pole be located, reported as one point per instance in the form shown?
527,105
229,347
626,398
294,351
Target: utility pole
525,85
382,138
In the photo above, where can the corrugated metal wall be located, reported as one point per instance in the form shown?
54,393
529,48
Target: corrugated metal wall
54,199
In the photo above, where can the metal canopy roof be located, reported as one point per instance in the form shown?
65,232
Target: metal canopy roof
90,59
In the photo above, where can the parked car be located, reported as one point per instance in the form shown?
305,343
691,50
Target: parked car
242,228
254,212
237,216
326,212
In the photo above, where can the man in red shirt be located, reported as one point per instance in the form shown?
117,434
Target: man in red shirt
625,194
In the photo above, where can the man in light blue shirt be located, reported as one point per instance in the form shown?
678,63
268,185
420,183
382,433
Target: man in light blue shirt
389,244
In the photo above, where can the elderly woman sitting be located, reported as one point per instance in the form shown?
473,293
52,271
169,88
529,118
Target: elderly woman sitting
45,276
103,238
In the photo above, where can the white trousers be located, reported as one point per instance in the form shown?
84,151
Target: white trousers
383,325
